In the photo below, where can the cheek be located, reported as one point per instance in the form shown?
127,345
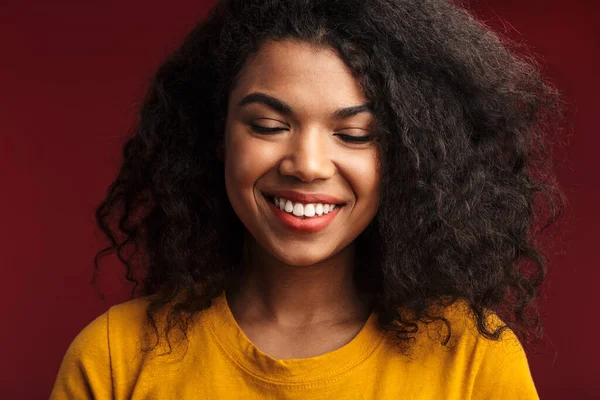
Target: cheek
238,165
363,174
246,159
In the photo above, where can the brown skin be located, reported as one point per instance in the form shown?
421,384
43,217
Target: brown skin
297,297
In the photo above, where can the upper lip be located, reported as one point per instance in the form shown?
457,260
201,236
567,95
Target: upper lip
304,197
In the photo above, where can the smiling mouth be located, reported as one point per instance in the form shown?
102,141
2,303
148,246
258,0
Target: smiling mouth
302,210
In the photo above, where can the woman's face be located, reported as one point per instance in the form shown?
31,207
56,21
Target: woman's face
301,168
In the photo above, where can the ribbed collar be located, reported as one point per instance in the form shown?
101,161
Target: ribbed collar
232,340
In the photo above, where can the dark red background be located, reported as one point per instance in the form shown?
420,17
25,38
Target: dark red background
72,75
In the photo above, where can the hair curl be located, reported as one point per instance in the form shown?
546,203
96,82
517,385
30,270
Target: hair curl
467,174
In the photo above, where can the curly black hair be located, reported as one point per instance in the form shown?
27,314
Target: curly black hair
466,125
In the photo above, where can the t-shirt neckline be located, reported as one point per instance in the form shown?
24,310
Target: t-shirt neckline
238,347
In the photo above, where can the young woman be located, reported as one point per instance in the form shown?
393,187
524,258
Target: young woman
331,199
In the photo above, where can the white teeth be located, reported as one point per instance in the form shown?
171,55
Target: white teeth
298,210
303,210
309,210
319,209
289,207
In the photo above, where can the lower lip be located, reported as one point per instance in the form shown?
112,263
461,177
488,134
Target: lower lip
309,225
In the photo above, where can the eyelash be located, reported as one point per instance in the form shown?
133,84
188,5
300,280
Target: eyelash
262,129
344,137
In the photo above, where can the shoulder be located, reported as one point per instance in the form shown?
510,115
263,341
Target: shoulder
464,325
86,370
465,333
454,356
124,320
459,359
128,318
117,327
498,368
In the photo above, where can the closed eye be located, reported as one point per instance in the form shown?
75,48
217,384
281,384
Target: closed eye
354,139
345,137
262,129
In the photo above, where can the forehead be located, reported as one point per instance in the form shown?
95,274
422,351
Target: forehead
313,78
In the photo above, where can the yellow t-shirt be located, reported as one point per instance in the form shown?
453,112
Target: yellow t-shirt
104,362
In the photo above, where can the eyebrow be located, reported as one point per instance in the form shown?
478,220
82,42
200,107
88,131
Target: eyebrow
286,109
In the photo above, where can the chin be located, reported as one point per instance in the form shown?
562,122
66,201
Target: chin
302,257
301,261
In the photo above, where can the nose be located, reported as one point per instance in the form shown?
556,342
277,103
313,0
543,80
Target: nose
308,156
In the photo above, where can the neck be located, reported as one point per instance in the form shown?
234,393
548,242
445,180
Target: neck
296,296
